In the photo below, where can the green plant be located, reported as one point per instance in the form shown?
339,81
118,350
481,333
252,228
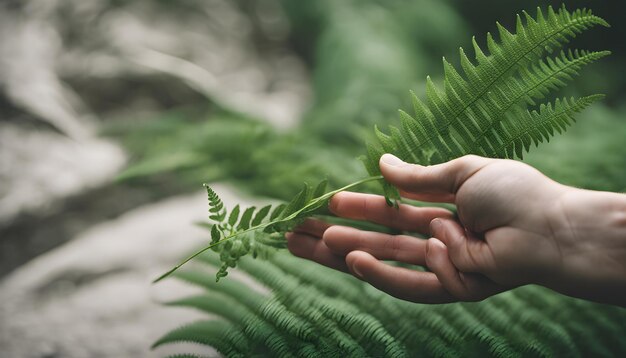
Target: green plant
256,230
311,311
484,112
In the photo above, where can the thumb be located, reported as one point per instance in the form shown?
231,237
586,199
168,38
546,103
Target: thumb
430,183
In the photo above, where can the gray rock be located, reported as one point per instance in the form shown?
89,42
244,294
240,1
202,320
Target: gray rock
92,297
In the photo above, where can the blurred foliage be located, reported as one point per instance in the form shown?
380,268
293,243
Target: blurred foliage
364,57
230,147
364,62
353,61
590,155
367,55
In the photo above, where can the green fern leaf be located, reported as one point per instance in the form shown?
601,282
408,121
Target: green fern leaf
215,234
260,215
320,189
244,223
297,202
278,210
234,216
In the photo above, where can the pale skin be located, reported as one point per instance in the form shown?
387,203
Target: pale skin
515,226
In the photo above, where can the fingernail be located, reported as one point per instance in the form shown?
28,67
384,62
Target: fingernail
435,224
392,160
356,271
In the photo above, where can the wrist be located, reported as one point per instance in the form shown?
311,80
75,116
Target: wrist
589,229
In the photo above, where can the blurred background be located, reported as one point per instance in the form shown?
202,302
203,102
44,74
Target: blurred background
113,113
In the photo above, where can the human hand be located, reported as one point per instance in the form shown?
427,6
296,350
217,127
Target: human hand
514,227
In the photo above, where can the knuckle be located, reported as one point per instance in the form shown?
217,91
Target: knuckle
471,157
469,161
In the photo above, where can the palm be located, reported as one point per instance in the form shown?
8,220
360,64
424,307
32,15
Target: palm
507,213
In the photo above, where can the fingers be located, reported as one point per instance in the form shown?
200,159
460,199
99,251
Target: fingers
430,183
374,208
312,227
351,250
462,286
444,284
410,285
439,263
314,249
341,240
467,253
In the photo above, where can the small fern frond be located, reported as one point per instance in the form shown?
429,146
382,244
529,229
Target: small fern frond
216,206
242,238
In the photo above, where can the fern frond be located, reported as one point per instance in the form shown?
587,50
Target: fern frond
466,116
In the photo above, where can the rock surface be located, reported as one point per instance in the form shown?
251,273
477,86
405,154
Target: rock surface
92,297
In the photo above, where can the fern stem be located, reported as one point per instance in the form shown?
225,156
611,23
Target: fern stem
309,205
